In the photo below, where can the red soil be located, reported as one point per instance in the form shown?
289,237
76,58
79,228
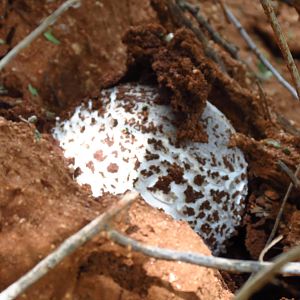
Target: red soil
40,203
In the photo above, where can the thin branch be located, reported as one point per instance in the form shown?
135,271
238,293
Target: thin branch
282,43
270,242
264,100
227,264
37,32
289,173
269,246
182,20
222,5
280,213
195,11
286,125
257,52
66,248
266,274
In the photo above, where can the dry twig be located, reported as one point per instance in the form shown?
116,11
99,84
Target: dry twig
182,20
269,246
231,265
263,97
266,274
256,51
65,249
280,213
289,173
195,11
271,241
37,32
282,43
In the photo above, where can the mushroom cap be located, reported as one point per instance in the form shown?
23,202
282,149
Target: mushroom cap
130,143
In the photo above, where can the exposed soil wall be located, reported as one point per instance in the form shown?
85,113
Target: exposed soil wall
100,44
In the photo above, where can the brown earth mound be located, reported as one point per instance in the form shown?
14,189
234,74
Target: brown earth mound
41,206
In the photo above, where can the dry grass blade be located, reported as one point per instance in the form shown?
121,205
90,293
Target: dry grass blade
37,32
289,172
280,213
269,246
266,274
263,97
67,247
282,43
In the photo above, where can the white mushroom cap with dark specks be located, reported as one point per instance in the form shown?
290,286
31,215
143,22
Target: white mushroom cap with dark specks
129,143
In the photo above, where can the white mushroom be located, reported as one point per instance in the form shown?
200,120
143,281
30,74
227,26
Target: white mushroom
130,143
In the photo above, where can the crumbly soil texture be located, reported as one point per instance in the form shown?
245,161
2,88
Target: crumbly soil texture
98,45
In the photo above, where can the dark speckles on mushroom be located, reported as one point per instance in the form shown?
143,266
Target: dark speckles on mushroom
211,240
151,156
187,166
146,173
155,169
91,166
191,196
93,121
215,175
228,164
199,180
206,228
109,141
99,155
124,146
218,195
175,172
201,215
189,211
235,194
114,122
157,144
213,160
77,172
216,217
112,168
201,160
137,165
225,206
205,205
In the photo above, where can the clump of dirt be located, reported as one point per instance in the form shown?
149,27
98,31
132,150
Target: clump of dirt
175,71
41,205
147,45
292,231
151,278
90,54
262,137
